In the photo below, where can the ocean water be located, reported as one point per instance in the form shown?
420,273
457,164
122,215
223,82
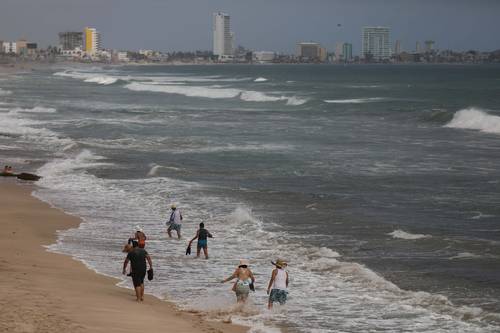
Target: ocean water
379,184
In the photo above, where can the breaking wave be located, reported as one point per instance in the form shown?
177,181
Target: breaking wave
89,77
476,119
406,235
260,79
185,90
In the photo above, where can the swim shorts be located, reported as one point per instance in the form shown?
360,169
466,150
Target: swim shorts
175,226
202,243
278,295
242,289
138,278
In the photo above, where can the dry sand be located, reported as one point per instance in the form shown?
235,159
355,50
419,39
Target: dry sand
47,292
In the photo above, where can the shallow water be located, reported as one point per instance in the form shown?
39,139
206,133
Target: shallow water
378,183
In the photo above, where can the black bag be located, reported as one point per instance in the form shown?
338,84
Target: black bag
188,250
252,287
150,274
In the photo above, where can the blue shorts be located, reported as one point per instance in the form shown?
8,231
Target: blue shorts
202,243
278,295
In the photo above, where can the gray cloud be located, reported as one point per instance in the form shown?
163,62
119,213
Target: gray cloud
258,24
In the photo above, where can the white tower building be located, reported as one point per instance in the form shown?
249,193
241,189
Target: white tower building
375,43
223,37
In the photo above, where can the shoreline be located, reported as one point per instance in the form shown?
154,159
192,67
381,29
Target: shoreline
46,292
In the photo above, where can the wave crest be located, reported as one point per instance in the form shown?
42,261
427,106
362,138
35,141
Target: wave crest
406,235
476,119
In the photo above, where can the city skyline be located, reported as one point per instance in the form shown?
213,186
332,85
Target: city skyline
187,25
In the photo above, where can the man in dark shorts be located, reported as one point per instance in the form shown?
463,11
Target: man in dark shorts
202,234
137,258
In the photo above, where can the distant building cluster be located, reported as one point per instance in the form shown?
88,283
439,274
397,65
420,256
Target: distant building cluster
376,47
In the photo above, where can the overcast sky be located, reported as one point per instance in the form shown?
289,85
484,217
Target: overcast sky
276,25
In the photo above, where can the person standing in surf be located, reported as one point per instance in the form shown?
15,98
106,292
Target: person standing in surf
137,257
174,223
244,281
202,234
277,288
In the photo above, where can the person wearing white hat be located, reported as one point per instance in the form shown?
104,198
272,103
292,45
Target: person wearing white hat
174,223
244,281
277,288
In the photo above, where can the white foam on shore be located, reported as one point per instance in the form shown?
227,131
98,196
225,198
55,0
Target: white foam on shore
321,283
355,100
475,119
406,235
260,79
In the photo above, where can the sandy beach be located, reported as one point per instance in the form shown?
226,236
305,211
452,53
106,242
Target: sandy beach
47,292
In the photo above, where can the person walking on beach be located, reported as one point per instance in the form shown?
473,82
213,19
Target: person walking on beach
175,221
137,257
202,234
277,288
244,281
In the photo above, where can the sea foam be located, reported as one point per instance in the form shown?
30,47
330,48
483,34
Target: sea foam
476,119
406,235
355,100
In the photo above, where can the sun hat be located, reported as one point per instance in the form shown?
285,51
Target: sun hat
138,228
279,263
244,262
173,206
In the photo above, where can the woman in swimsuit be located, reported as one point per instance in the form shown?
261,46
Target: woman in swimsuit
244,278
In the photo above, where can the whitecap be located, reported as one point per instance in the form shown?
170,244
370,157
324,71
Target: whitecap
189,91
260,79
355,100
476,119
465,255
405,235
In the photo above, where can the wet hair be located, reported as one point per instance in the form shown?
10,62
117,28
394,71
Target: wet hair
242,266
202,225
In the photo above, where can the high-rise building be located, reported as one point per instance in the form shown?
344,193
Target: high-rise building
429,45
311,51
347,52
339,51
9,47
397,47
71,40
91,40
375,43
418,49
223,37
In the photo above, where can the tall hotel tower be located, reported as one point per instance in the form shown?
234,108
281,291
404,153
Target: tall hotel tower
91,40
375,43
223,37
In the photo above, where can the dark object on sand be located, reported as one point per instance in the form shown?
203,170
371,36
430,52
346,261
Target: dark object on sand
188,250
252,287
28,176
150,274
